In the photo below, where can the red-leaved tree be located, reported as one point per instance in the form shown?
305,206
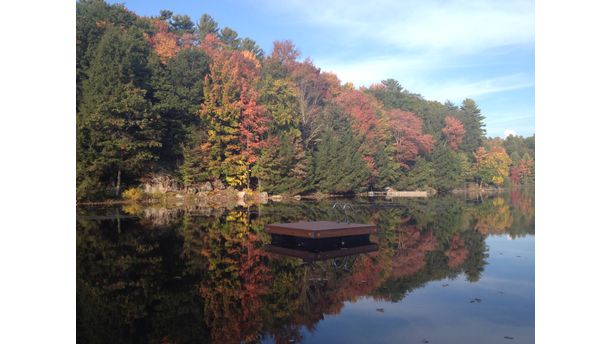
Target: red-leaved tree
407,131
453,132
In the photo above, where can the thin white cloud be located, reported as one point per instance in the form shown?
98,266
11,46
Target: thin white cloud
463,26
410,73
457,89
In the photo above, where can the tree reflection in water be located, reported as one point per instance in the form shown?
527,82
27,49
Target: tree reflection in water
201,275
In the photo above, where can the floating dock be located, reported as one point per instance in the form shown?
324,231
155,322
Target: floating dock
320,249
320,229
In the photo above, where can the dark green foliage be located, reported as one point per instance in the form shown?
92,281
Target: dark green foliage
182,23
283,167
388,168
178,93
229,37
473,123
337,165
93,17
448,169
420,176
207,25
117,131
165,15
518,146
193,169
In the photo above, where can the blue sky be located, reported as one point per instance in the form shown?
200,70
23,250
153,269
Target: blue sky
443,50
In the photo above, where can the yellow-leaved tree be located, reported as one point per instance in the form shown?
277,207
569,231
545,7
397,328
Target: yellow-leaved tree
492,167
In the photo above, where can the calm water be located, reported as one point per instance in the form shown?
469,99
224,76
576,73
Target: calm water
441,270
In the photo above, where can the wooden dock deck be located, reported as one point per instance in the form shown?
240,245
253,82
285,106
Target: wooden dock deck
320,229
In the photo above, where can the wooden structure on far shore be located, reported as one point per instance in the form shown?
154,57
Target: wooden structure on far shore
394,193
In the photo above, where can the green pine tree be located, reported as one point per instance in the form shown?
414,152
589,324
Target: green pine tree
117,131
448,169
473,123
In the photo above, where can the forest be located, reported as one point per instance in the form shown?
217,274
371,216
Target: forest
199,104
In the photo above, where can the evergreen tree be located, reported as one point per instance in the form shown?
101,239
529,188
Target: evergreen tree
93,17
448,169
336,164
117,131
207,25
194,167
229,37
388,167
473,123
420,176
283,166
178,93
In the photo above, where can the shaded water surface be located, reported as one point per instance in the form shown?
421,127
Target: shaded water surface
439,270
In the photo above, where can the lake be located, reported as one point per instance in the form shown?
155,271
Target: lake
448,269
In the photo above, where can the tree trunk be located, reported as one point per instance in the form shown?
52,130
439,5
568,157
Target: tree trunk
118,185
248,179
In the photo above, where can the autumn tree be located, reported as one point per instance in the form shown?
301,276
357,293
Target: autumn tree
523,171
235,121
365,116
453,132
165,43
492,167
283,166
314,92
406,130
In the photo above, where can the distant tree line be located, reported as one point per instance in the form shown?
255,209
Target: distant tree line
166,95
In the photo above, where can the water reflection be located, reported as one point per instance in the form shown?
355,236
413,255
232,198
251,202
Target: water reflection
311,250
202,275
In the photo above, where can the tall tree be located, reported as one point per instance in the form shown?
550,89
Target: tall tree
207,25
473,123
337,166
229,37
177,95
364,113
235,121
117,132
93,17
449,168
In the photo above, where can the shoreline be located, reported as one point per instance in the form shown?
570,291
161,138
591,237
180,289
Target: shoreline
230,197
